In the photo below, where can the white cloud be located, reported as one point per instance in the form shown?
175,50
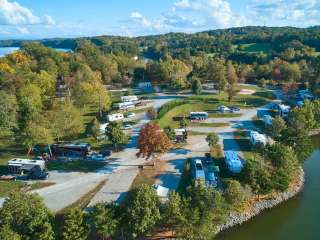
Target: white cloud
22,30
49,20
12,13
139,18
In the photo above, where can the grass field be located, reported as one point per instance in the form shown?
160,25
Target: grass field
78,165
257,47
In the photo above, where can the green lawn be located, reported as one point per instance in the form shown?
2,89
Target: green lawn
257,47
8,186
203,124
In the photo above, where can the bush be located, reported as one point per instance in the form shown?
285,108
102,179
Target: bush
168,106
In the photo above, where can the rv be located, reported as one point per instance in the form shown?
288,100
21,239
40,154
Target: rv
283,110
131,98
181,134
267,119
256,138
34,168
125,105
115,117
198,171
70,150
198,115
233,161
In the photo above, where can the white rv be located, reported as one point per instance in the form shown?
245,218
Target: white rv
115,117
18,165
124,105
283,110
256,138
131,98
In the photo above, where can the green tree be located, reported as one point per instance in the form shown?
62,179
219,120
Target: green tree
30,102
8,111
216,72
169,131
212,139
142,211
232,79
116,135
183,122
277,127
196,86
303,117
104,220
65,120
93,128
6,233
74,226
46,82
27,216
234,195
290,72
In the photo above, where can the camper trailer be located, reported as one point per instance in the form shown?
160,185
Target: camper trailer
115,117
233,161
283,110
267,119
256,138
35,169
198,171
131,98
71,150
124,105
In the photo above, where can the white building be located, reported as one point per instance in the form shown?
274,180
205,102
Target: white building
131,98
256,138
115,117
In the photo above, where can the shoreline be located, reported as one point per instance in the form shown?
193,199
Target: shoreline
236,219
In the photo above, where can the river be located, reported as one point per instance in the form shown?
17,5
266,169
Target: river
296,219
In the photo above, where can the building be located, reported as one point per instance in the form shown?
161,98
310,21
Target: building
20,166
198,115
267,119
198,170
131,98
115,117
124,105
256,138
233,161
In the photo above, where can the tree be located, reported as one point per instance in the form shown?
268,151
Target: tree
290,72
46,82
27,216
172,213
142,211
30,102
183,122
36,132
65,120
169,131
234,195
6,233
196,86
115,134
152,113
74,226
8,111
232,79
104,220
277,127
212,139
93,128
216,72
152,140
303,117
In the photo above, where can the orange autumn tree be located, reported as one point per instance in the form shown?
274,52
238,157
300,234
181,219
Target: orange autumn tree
152,140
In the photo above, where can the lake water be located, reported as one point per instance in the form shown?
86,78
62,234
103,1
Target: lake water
7,50
296,219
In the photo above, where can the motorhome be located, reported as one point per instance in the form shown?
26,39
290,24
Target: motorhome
198,115
115,117
71,150
257,138
35,169
124,105
181,134
233,161
131,98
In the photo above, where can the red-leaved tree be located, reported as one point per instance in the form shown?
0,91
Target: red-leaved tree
152,140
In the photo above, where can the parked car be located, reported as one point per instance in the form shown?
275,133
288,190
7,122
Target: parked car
223,109
234,109
131,115
126,127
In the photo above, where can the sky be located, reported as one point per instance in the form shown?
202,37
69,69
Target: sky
34,19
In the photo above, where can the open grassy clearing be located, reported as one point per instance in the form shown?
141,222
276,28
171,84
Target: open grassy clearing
257,47
9,186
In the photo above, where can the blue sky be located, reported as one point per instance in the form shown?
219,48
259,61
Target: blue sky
72,18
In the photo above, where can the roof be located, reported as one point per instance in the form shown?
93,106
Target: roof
21,161
161,191
284,108
205,113
258,137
